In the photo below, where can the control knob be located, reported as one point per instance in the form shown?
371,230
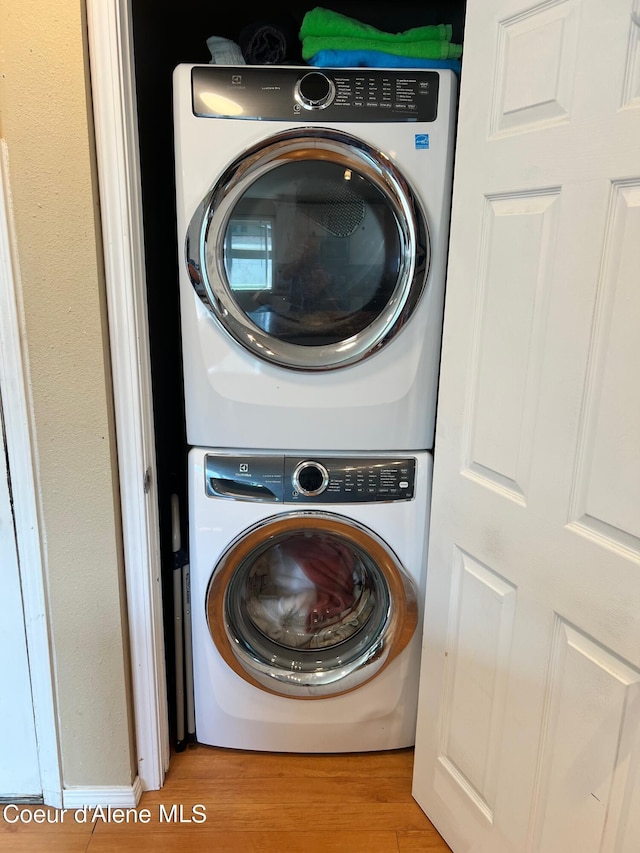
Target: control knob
310,478
315,91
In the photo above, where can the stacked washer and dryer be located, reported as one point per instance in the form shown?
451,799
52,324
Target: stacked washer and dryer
312,211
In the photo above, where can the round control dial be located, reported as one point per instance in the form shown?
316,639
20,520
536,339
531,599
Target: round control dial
310,478
315,91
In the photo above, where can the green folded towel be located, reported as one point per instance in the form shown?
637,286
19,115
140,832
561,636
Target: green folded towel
324,22
323,29
413,49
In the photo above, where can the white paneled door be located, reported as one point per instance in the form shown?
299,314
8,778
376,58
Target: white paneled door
529,720
19,768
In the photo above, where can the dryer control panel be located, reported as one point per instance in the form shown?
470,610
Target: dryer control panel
314,94
310,479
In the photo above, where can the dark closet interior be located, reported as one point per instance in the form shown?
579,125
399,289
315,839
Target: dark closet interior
164,36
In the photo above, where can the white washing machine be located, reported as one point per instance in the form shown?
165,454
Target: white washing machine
307,585
312,212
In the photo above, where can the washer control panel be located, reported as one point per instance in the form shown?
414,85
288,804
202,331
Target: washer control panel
328,94
312,479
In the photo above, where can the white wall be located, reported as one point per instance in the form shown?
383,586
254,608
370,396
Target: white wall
45,120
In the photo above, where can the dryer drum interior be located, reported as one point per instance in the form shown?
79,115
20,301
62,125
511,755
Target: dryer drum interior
311,250
310,605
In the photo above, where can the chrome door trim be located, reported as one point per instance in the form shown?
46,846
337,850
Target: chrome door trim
216,209
400,624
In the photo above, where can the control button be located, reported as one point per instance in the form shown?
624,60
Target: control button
310,478
314,91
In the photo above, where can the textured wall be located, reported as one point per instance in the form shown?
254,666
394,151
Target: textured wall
45,120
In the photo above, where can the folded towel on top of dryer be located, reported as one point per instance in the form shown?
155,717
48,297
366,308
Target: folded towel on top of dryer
377,59
323,29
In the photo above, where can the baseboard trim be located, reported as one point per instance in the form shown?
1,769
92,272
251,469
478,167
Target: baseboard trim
119,796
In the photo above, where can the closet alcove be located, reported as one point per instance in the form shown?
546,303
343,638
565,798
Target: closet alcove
165,36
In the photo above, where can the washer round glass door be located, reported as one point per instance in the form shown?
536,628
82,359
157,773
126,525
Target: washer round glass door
310,604
311,250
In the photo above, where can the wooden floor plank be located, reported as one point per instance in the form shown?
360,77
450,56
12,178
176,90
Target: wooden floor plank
14,822
422,842
293,791
194,841
236,817
200,761
62,842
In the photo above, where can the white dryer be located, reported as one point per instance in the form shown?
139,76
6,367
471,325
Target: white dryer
312,212
307,585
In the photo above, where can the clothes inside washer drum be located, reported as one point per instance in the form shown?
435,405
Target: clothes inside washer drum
329,566
308,592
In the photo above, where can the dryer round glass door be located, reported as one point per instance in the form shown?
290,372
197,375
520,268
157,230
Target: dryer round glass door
311,250
310,604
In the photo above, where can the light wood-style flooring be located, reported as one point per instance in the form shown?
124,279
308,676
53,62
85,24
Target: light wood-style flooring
254,803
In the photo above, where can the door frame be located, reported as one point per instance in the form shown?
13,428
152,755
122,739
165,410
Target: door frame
24,495
110,41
